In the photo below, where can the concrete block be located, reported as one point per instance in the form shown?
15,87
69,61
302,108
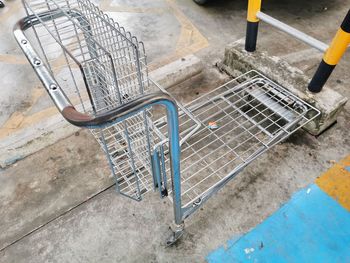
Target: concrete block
328,101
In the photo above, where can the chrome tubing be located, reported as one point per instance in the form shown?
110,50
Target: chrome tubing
292,31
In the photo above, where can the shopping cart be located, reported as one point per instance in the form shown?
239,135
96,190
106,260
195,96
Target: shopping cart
96,73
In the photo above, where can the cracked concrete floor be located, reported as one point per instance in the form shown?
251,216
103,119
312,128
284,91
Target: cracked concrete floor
58,204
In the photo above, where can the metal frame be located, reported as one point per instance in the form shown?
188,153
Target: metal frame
332,53
113,96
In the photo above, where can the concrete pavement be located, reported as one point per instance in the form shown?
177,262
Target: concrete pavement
58,204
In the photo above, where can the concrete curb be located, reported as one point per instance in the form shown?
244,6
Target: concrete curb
177,71
47,132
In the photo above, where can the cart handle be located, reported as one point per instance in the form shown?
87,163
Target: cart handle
120,113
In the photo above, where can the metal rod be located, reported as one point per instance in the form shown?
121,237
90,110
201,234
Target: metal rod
292,31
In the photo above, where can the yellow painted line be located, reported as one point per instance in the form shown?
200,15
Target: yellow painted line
190,35
189,41
336,182
13,59
11,8
176,55
19,120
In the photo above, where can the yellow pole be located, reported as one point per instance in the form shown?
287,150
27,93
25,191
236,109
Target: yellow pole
254,7
337,48
332,56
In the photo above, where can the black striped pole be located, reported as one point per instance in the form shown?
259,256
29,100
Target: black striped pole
252,25
332,56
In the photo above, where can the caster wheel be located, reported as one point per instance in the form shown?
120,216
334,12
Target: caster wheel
2,4
175,234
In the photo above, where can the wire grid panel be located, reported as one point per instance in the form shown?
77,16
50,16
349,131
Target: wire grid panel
250,117
83,45
100,66
129,155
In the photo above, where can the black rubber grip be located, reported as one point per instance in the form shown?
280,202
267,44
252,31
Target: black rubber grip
346,23
321,76
251,36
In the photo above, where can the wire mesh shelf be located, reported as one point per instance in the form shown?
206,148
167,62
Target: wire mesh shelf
251,114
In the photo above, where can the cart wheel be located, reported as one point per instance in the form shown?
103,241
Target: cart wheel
200,2
175,235
2,4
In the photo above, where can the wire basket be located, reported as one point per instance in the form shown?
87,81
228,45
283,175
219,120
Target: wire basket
100,66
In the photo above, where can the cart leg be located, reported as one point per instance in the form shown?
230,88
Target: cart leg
174,151
176,233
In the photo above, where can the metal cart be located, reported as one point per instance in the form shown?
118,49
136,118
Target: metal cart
96,73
